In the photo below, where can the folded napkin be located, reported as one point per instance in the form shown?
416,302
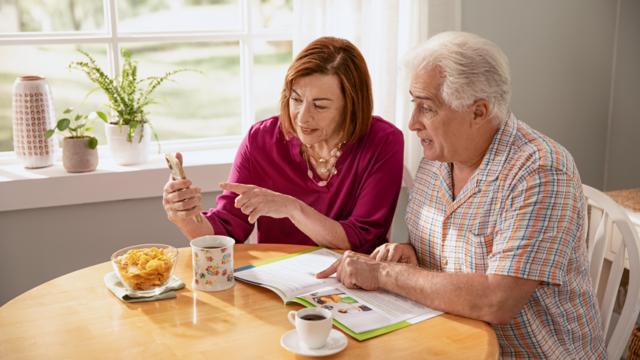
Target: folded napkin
113,283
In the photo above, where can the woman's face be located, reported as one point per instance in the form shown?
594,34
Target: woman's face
315,107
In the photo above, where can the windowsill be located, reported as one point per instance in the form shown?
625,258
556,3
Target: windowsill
22,188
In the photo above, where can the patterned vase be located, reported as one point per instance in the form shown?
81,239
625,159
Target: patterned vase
32,115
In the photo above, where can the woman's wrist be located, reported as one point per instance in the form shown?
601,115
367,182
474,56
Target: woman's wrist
296,210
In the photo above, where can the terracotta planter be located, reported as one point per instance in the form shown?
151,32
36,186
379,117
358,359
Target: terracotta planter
124,152
77,157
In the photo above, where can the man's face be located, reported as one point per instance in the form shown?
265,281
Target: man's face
443,131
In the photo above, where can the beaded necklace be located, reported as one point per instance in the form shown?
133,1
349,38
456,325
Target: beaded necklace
324,166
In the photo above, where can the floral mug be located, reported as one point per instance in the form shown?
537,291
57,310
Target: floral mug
212,259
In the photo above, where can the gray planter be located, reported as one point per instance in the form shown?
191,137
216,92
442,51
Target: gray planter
77,157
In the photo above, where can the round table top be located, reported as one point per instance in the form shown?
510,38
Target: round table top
76,316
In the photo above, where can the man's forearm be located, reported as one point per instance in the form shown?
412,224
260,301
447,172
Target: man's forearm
479,296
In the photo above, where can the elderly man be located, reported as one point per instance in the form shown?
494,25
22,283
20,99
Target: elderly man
496,215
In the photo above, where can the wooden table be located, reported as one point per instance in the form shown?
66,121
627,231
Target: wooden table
75,316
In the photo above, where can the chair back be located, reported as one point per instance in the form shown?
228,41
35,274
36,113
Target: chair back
610,231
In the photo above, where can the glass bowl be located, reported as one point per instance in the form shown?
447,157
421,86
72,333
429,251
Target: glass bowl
145,269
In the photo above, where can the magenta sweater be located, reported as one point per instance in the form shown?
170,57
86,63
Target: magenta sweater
362,196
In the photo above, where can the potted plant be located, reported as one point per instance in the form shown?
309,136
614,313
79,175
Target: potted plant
79,152
129,131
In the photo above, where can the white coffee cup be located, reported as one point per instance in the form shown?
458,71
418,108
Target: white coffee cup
313,326
212,260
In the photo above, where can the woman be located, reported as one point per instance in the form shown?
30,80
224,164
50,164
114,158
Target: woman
325,172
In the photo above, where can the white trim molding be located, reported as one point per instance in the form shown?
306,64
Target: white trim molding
22,188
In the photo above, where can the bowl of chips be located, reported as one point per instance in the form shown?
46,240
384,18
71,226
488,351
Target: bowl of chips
145,269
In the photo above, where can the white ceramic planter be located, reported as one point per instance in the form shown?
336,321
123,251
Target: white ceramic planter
124,152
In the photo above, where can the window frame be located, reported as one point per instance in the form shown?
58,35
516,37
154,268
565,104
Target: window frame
114,41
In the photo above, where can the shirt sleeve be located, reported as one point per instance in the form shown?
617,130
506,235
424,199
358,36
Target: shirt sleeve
369,223
538,228
225,218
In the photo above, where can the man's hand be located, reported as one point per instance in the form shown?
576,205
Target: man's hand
255,201
354,271
401,253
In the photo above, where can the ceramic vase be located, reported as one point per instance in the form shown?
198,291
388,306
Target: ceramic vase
124,152
33,114
77,157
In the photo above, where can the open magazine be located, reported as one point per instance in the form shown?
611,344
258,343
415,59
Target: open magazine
360,313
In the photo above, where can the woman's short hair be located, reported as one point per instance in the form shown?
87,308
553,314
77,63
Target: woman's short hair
472,68
339,57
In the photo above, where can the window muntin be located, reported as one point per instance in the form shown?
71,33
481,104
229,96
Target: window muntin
242,68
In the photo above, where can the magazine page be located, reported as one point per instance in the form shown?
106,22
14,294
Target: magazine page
361,310
294,275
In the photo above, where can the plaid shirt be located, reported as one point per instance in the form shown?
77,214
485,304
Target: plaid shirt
521,214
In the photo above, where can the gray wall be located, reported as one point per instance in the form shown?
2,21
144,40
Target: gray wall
561,56
624,150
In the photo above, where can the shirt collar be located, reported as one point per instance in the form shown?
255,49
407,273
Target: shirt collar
498,151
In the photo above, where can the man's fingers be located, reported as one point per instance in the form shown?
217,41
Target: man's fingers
328,271
374,254
394,254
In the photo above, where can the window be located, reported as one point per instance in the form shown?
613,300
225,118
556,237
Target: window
241,49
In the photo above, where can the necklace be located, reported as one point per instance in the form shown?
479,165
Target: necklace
326,167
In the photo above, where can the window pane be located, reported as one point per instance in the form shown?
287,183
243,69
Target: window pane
271,14
272,58
69,88
195,104
50,15
185,15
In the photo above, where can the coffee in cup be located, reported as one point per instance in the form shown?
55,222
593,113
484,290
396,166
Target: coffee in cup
212,260
313,326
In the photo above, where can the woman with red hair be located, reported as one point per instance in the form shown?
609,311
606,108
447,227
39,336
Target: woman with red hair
324,172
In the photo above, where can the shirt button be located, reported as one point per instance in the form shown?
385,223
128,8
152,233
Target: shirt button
444,262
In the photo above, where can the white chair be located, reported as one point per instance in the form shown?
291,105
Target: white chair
610,230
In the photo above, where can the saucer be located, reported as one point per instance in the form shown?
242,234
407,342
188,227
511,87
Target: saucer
335,343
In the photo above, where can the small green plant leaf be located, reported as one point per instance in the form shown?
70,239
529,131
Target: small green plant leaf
49,133
88,129
92,142
133,124
102,116
78,117
63,124
67,110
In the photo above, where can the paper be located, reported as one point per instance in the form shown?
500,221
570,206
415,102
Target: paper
363,314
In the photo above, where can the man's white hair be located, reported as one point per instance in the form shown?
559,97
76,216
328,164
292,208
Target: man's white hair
472,68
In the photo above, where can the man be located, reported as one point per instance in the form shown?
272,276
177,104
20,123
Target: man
496,215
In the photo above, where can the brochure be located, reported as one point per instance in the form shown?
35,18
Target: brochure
360,313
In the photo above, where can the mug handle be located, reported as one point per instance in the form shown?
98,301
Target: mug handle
292,317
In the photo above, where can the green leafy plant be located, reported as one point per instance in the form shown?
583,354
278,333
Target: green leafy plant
77,126
128,96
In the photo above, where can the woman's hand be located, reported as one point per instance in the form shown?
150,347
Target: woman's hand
255,201
401,253
180,201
